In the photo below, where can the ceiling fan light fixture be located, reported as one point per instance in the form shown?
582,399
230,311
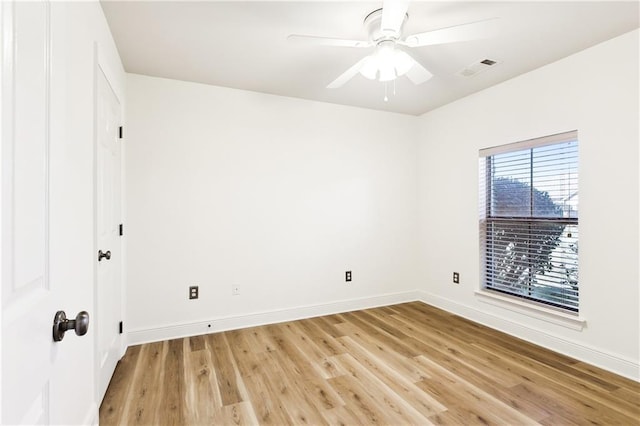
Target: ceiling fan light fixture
385,54
387,71
369,67
402,62
387,63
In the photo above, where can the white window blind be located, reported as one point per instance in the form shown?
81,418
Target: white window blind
529,220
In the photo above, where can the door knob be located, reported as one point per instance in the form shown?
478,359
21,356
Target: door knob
106,255
61,324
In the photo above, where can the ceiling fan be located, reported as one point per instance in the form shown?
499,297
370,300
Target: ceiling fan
390,60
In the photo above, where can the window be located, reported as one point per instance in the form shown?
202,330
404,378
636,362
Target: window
529,220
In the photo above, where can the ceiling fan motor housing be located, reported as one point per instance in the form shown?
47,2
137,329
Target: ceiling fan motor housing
373,26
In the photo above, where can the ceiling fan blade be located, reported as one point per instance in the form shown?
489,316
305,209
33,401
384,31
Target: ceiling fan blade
393,14
327,41
417,73
465,32
347,75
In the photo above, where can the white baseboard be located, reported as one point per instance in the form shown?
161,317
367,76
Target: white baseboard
214,325
608,361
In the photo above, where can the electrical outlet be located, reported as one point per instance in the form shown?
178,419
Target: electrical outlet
235,290
193,292
456,278
347,276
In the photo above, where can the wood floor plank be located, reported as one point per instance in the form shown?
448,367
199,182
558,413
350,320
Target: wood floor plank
258,369
235,414
310,376
245,355
592,398
558,412
267,404
172,398
409,363
307,347
630,396
479,362
328,326
202,396
360,401
226,370
332,369
482,369
333,319
113,405
468,399
143,400
384,337
615,380
264,342
343,416
300,364
295,399
326,342
398,383
264,395
397,361
196,343
395,407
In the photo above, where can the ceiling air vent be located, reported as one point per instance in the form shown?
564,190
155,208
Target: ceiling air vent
477,67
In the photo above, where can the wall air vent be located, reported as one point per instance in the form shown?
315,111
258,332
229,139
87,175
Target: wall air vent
477,67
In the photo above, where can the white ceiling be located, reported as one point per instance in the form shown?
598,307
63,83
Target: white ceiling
244,45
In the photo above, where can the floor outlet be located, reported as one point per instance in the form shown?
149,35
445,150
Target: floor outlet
347,276
456,278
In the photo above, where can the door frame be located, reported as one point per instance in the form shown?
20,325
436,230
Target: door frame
101,66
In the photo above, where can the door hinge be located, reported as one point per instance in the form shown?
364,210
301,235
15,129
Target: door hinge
120,132
121,229
121,327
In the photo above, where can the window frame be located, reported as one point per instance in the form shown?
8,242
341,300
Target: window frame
488,219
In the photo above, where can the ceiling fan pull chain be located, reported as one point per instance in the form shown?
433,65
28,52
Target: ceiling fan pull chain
394,87
386,98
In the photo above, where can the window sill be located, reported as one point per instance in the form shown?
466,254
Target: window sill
574,322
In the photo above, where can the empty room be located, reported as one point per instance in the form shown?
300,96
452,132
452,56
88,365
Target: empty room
392,212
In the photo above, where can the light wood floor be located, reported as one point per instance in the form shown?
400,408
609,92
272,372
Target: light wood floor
396,365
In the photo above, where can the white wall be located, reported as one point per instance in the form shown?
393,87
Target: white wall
278,196
79,30
595,92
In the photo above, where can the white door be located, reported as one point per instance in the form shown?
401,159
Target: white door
107,229
39,258
28,295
